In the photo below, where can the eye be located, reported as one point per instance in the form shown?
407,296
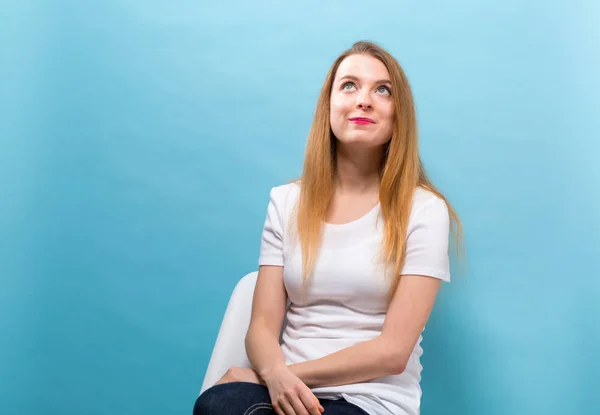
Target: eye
384,90
348,86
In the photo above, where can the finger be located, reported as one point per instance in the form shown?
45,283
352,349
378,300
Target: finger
278,409
287,408
276,405
311,402
299,407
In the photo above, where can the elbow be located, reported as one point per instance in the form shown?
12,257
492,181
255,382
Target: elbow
248,337
395,361
256,330
249,334
397,365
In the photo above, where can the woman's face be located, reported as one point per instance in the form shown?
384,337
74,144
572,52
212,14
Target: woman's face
362,109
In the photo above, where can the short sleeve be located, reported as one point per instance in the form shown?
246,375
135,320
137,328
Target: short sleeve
427,241
271,246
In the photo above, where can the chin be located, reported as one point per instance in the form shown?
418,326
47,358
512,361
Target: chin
360,141
357,144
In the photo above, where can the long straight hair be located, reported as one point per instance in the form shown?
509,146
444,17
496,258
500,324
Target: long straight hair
400,174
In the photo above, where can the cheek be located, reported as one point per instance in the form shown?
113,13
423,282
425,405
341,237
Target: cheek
388,109
337,114
387,127
337,106
336,122
389,116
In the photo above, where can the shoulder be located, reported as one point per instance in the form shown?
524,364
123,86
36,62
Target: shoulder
428,236
285,195
282,194
283,198
427,205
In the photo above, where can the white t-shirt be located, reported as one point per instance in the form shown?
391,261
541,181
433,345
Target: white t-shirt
346,300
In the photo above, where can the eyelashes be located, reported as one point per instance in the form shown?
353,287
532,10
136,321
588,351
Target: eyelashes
349,86
386,89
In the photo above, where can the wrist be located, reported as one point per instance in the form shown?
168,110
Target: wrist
298,370
271,371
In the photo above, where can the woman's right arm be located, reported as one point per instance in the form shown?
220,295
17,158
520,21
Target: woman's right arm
268,311
289,395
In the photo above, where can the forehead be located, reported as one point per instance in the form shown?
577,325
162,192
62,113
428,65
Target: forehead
364,67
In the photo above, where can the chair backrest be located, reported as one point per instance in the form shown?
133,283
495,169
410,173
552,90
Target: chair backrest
230,349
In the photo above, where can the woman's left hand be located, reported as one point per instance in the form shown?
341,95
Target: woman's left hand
240,374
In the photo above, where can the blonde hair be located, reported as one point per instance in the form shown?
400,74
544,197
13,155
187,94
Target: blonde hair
401,170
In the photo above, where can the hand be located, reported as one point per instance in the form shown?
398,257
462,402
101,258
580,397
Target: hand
239,374
289,395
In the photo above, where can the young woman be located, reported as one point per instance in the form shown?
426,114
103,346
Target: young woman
359,247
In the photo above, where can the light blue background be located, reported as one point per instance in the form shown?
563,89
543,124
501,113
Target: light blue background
139,141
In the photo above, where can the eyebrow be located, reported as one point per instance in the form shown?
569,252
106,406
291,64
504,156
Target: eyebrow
354,78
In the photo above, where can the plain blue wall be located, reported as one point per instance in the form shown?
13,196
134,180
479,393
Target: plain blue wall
139,140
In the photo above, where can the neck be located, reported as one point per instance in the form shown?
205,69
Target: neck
358,170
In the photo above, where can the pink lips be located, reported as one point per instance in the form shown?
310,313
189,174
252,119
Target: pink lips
361,120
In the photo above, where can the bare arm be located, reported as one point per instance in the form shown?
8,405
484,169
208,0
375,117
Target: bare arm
268,311
388,353
288,393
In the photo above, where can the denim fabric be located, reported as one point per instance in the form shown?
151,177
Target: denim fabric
242,398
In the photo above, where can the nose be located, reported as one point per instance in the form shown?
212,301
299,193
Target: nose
363,101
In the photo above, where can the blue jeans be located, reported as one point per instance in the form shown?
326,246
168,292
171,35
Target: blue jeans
243,398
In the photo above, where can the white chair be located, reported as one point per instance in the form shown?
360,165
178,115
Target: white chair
229,349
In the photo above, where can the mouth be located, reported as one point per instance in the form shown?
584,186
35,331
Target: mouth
361,120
